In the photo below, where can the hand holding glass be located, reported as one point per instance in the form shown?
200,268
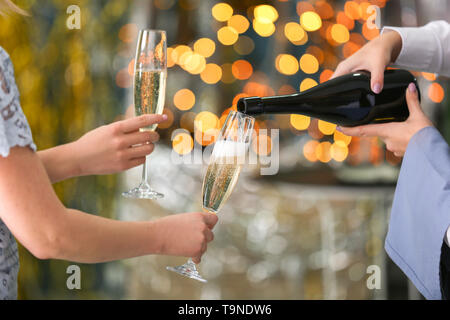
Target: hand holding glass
226,162
150,73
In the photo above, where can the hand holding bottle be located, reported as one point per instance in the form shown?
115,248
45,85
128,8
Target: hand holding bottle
373,57
396,135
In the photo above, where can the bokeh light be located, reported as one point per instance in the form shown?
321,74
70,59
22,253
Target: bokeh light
211,74
327,128
244,45
307,83
227,35
309,63
239,23
286,64
264,29
241,69
184,99
222,11
309,150
299,121
340,33
323,151
295,33
205,47
310,21
436,92
183,143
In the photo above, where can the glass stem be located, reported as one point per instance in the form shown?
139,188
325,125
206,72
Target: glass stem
144,173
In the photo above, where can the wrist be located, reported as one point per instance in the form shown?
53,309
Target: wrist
75,159
155,238
393,43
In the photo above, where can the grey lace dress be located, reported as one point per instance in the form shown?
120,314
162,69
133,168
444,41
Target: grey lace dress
14,131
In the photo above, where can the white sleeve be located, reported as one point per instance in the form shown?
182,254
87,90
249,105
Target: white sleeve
425,48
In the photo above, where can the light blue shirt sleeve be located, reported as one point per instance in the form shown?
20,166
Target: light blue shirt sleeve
420,213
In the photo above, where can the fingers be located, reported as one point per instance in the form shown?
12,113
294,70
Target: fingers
143,137
376,77
139,151
210,219
134,163
369,130
143,121
412,99
341,69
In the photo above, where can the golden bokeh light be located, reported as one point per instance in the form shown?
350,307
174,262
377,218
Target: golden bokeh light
265,13
184,99
436,92
316,52
326,128
295,33
194,63
310,21
205,121
207,137
170,61
211,74
239,23
183,143
262,144
286,64
300,122
339,151
339,33
339,136
222,12
309,63
178,52
227,35
241,69
429,76
309,150
307,83
264,29
323,151
205,47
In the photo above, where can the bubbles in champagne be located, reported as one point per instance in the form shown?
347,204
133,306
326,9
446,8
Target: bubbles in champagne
222,173
149,93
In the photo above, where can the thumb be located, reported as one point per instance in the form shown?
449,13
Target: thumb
377,78
412,99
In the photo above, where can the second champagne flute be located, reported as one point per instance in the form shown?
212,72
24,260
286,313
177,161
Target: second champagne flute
225,164
150,73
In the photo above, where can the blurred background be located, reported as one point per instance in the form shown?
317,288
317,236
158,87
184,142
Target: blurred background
308,232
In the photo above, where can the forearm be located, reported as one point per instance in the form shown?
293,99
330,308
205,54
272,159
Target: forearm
87,238
60,162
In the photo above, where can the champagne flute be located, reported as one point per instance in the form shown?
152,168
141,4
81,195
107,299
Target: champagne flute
224,167
150,73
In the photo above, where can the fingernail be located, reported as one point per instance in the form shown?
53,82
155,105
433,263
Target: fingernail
412,87
338,128
377,88
164,116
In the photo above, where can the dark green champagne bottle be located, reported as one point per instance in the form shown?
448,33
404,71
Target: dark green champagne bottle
346,100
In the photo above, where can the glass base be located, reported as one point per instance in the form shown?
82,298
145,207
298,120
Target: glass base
189,269
144,191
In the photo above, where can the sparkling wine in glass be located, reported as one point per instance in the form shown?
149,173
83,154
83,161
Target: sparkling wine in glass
226,163
150,74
